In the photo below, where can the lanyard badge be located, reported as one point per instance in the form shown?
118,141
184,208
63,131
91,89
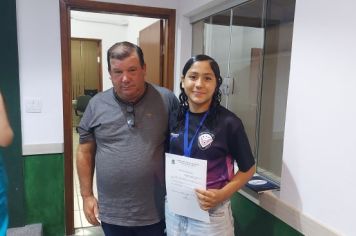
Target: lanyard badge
187,144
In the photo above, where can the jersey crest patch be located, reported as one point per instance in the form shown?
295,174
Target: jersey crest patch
205,139
174,135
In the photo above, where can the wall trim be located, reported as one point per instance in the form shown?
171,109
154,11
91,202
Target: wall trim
288,214
48,148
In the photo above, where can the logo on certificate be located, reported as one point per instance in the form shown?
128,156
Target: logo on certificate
205,140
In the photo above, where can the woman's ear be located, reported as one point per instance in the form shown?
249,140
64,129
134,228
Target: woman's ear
182,81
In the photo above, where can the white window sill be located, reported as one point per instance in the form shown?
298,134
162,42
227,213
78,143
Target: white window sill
271,202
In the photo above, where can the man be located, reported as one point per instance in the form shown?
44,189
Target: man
123,134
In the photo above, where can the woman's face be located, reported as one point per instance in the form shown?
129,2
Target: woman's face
199,84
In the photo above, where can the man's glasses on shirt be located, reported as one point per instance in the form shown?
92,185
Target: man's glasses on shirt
130,116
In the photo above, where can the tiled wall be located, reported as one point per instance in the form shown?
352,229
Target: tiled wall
252,220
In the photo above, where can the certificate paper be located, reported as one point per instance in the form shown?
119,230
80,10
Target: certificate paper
183,176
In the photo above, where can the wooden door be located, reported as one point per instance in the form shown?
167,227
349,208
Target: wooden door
151,41
76,68
85,66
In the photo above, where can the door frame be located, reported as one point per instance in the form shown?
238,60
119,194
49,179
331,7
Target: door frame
169,15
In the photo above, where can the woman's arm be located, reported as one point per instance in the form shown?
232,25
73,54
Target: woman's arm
6,134
210,198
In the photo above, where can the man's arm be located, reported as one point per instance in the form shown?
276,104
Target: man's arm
6,133
85,169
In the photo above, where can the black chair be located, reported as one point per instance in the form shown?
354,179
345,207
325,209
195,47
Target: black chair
82,103
90,92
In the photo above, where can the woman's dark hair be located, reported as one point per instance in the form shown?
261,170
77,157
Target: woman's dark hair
123,50
183,98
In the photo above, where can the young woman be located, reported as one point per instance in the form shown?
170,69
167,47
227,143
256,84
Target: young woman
206,130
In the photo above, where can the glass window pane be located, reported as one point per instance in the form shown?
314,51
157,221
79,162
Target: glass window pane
279,31
217,39
252,45
198,38
247,35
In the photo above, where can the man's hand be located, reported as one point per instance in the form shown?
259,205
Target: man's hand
90,207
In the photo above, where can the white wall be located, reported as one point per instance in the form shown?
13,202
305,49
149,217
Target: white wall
319,149
40,70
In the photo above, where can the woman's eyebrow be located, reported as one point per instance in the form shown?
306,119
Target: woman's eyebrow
197,73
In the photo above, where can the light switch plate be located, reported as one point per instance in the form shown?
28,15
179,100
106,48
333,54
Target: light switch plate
33,105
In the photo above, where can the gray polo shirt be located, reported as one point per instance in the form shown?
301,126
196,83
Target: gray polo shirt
129,161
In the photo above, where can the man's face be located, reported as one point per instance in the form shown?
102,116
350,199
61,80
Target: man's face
128,77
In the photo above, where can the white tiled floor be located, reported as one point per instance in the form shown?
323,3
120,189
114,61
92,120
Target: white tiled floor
91,231
80,222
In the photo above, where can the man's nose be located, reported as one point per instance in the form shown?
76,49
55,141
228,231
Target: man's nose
125,77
